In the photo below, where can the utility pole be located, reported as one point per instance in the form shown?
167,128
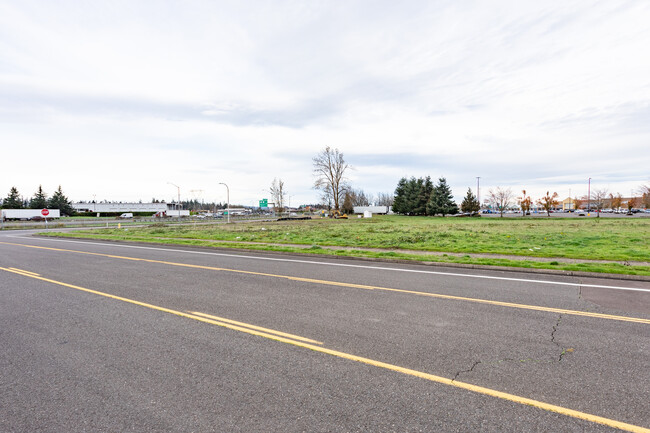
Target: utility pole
589,197
478,192
178,204
196,193
227,199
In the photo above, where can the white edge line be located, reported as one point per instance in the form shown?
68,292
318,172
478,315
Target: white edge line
382,268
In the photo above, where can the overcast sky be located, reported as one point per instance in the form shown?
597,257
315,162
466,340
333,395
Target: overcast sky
118,98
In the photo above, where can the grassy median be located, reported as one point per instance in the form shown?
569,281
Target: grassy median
610,239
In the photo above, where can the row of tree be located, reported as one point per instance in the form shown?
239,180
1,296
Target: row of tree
421,197
38,201
599,199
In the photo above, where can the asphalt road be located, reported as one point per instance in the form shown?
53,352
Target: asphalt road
100,336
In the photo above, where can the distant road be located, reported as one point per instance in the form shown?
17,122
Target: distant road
113,222
101,336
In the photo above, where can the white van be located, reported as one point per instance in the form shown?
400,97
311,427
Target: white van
126,215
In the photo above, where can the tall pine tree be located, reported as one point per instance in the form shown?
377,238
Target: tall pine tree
425,191
470,204
412,196
39,201
61,202
399,203
13,200
415,197
442,201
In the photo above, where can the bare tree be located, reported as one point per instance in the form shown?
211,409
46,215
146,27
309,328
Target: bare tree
526,202
278,193
329,170
616,201
644,191
599,196
385,199
501,198
631,203
357,197
577,202
548,202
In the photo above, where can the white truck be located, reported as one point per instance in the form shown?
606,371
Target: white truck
29,214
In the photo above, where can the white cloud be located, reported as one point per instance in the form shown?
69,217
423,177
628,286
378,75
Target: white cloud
118,98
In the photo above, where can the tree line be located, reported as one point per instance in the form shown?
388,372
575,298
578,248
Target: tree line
38,201
597,200
421,197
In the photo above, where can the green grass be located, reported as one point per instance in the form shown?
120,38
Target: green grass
611,239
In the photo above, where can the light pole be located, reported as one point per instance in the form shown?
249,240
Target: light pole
478,192
179,199
227,199
589,197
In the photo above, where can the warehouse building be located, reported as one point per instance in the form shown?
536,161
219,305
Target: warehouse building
168,208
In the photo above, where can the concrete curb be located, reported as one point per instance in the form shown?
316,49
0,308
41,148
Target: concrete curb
401,261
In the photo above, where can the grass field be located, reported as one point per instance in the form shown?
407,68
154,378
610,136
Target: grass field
616,240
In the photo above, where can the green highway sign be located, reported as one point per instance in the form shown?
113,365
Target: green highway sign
264,202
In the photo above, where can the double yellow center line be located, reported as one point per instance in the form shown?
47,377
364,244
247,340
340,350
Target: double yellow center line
358,286
317,347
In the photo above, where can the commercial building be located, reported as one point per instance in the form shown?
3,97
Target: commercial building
171,209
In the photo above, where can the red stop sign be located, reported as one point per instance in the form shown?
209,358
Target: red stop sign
45,212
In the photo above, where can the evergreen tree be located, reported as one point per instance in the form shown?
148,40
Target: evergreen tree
412,196
13,200
61,202
426,189
39,201
441,201
470,204
399,203
348,207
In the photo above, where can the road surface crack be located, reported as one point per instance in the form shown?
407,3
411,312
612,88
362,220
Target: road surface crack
563,350
466,371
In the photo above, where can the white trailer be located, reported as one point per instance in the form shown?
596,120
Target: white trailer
178,212
381,210
28,214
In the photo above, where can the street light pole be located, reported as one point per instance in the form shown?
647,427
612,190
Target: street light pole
178,204
589,197
227,199
478,192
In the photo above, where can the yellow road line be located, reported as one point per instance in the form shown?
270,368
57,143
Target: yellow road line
359,286
24,271
439,379
259,328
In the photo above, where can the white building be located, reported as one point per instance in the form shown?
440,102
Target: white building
170,208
